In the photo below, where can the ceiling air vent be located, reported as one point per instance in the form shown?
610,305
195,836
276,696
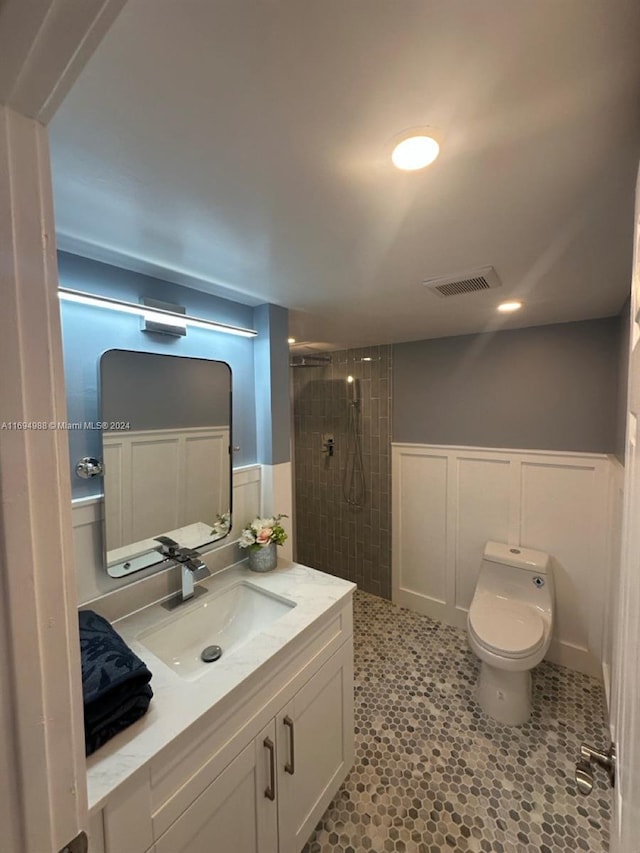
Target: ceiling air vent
484,278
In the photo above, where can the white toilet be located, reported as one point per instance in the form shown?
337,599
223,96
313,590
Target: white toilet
509,626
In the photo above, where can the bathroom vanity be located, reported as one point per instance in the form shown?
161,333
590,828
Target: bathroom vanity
243,754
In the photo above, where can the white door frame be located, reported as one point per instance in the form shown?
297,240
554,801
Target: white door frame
43,804
625,704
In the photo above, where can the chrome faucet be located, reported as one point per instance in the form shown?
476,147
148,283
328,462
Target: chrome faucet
193,569
191,564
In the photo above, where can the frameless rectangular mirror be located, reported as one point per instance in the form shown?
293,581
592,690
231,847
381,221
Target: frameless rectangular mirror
166,444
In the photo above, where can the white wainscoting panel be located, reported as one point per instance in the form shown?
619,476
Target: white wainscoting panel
164,479
93,580
421,525
448,501
152,493
206,464
565,507
112,458
482,488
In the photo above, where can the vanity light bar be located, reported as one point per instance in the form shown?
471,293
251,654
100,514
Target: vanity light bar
158,315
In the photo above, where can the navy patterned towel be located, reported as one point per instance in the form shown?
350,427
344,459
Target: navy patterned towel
115,682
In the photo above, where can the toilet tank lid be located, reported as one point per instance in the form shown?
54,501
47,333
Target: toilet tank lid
513,555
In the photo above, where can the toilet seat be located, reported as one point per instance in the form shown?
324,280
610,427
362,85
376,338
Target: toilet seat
507,628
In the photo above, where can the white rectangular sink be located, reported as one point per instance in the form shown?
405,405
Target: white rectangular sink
228,619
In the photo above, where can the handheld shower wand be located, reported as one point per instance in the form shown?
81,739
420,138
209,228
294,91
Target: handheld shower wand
353,391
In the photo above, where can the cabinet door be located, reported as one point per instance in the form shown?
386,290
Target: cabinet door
315,748
236,811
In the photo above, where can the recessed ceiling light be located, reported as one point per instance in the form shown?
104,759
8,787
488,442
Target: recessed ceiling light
506,307
291,340
415,151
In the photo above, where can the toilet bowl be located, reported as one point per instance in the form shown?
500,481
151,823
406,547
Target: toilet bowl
509,627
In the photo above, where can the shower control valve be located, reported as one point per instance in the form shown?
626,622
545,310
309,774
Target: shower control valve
328,443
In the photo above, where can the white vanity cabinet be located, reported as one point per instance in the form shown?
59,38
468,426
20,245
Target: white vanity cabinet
256,773
271,795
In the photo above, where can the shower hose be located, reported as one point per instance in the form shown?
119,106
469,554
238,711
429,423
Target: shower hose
353,486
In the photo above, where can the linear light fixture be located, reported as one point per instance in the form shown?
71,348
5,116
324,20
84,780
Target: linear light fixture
165,326
157,315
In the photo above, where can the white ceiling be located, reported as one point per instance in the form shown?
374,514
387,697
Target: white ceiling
242,146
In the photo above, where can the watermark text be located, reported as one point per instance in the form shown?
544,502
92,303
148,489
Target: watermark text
64,425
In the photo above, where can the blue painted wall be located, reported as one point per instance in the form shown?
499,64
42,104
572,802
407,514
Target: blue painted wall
549,387
88,332
272,384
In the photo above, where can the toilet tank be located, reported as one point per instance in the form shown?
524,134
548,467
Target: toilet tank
520,574
519,558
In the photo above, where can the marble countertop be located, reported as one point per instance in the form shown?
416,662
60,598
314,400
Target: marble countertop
178,702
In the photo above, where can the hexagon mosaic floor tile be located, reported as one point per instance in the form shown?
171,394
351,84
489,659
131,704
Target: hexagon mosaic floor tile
433,773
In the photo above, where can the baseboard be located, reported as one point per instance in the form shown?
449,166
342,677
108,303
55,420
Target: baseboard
574,657
432,607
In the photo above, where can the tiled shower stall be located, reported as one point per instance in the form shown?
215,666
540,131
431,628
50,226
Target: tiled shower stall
334,534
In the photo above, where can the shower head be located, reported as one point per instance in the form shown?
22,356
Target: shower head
310,360
353,391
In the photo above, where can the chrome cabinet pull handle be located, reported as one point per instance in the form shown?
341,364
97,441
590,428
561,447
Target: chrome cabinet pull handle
270,791
291,766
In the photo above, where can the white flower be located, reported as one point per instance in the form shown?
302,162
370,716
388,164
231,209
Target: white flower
247,538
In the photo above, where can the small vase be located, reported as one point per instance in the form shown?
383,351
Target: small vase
264,558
